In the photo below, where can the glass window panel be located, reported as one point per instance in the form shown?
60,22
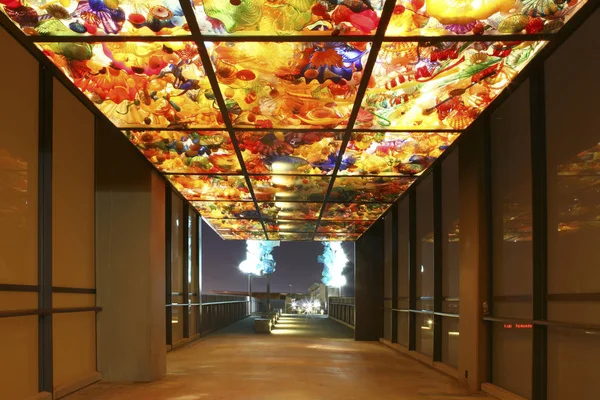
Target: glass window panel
511,357
19,344
311,17
192,152
450,234
424,242
83,18
226,209
290,210
393,153
367,189
135,84
403,262
211,187
289,85
18,166
450,337
573,364
289,188
313,153
511,207
444,86
177,266
573,184
440,17
424,334
354,211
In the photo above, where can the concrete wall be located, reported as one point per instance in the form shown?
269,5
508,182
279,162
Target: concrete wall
130,261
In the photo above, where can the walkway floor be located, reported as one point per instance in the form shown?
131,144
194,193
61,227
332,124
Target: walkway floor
306,358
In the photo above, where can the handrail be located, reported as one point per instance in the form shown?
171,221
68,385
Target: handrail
46,311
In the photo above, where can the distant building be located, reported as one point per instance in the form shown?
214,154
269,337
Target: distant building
321,293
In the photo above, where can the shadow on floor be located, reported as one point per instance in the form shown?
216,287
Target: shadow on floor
294,325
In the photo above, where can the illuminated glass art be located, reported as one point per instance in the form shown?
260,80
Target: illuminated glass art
277,120
203,187
354,211
289,152
290,211
187,152
479,17
289,85
290,17
226,209
160,84
441,86
97,17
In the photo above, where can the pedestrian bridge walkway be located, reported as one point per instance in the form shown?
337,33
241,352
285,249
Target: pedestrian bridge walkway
305,358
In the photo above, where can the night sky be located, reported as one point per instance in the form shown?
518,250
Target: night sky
296,264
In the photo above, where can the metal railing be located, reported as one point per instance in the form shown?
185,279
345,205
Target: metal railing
219,311
342,309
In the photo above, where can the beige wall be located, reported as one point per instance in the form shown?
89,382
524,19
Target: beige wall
73,334
18,218
130,262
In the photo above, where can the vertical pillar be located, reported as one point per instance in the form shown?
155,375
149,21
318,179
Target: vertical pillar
540,231
368,287
45,140
168,266
130,256
185,270
474,247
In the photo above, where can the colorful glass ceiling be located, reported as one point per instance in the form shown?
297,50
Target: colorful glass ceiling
291,119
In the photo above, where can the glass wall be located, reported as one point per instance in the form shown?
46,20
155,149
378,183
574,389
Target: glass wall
403,276
388,274
450,259
177,265
512,263
424,273
193,273
573,201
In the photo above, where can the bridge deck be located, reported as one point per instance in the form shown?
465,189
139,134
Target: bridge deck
306,358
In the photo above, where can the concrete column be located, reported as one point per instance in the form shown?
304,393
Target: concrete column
368,284
473,258
130,254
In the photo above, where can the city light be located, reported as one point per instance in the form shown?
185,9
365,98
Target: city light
259,260
334,261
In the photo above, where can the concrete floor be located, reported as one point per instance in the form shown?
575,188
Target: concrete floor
306,358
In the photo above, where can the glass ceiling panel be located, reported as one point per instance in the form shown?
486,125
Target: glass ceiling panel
394,153
136,84
289,85
211,187
289,17
226,209
289,188
200,152
233,235
97,17
291,152
357,227
290,211
341,237
291,226
441,86
235,224
479,17
368,189
291,236
354,211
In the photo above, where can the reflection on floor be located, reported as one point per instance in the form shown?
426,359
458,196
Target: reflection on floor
306,358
